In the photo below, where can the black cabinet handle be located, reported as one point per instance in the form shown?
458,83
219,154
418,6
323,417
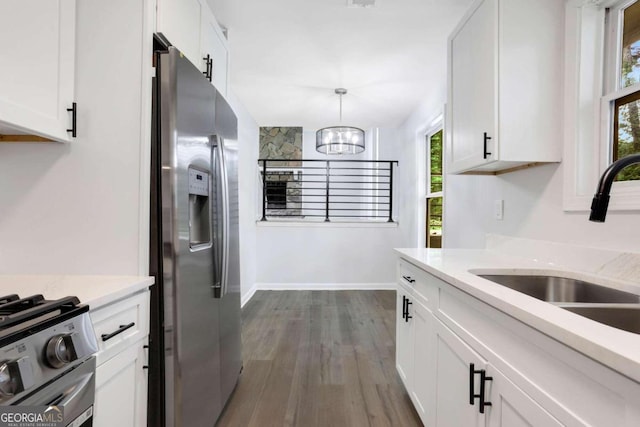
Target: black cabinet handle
409,279
483,381
404,307
107,337
74,112
486,139
406,319
208,72
206,66
472,387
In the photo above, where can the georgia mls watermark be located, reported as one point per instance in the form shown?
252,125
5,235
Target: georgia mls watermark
31,416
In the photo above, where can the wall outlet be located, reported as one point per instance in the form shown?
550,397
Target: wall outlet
498,210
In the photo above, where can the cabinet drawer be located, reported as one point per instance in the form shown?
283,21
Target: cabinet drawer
120,324
423,284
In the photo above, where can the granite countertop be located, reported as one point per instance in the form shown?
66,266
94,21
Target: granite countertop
617,349
96,291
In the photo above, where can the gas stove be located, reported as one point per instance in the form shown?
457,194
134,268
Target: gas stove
46,353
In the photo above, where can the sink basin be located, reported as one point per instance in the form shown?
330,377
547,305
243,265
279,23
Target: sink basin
562,289
625,318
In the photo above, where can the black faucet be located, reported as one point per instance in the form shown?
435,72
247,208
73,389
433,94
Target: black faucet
600,201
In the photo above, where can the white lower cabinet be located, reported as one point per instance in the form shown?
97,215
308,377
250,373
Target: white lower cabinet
465,363
121,389
122,329
423,374
511,407
414,360
404,340
452,364
471,392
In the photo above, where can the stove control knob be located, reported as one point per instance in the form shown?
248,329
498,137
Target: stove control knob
60,351
16,376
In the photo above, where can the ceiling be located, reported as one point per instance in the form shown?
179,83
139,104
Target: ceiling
288,56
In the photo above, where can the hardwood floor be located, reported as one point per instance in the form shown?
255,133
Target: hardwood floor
319,358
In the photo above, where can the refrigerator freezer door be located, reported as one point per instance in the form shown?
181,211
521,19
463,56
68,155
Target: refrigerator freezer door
191,313
230,324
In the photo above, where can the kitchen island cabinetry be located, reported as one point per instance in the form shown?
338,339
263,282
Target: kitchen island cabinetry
122,329
38,67
486,368
504,86
191,27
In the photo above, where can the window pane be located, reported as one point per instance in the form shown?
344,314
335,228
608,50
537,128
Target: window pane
626,139
630,69
435,144
434,222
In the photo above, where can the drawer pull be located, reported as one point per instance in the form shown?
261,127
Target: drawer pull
408,279
121,329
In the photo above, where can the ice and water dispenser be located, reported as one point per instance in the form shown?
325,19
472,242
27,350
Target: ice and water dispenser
199,214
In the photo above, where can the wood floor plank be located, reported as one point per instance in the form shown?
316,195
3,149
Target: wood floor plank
319,358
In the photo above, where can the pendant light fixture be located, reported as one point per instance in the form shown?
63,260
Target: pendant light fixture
340,139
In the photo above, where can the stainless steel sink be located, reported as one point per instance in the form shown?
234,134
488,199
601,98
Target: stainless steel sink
562,289
626,318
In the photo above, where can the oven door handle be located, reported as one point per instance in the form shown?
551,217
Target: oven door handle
75,391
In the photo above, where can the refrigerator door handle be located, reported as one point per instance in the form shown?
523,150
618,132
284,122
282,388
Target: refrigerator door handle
221,212
225,219
217,214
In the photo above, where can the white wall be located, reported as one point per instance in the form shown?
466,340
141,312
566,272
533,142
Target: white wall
532,209
248,136
320,253
74,208
532,203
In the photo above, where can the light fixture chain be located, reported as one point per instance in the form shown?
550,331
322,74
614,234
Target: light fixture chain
340,108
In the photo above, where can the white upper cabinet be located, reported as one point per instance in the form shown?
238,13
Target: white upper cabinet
179,21
505,86
37,67
191,27
213,45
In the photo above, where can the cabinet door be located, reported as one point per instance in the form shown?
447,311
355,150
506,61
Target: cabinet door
511,407
424,372
179,21
213,43
121,388
472,66
453,358
38,63
404,341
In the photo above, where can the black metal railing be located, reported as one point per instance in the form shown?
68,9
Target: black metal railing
315,189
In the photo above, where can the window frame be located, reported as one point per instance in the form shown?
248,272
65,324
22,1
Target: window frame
591,88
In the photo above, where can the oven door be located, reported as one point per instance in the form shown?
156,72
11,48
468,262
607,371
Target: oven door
74,391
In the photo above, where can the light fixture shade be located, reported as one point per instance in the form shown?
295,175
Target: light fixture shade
340,140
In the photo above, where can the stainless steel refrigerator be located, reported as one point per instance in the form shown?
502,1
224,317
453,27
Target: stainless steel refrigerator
195,347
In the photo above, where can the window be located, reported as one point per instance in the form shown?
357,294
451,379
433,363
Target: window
623,83
602,99
434,200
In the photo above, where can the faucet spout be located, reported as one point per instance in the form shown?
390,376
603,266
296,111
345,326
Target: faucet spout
600,202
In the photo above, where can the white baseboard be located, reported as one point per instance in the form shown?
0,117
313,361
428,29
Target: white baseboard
248,295
325,286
